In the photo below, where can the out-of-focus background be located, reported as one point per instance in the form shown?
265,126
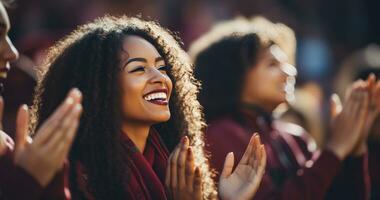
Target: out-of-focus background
331,35
337,42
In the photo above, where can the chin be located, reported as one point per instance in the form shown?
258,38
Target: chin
160,118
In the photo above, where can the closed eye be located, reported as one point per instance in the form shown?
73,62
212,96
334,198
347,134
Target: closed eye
138,69
164,68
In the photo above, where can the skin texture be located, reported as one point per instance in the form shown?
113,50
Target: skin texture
44,156
54,139
144,71
56,134
249,171
265,82
8,52
183,179
355,118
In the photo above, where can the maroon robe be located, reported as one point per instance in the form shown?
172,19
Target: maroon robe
295,169
16,183
146,181
147,173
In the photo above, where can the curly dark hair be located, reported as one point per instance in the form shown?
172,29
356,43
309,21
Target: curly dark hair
89,59
221,68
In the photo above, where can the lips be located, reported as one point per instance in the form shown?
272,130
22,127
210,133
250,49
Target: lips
158,97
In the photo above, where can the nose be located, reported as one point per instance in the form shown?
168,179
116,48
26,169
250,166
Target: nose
9,52
157,76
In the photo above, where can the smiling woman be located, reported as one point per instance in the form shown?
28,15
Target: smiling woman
122,67
139,101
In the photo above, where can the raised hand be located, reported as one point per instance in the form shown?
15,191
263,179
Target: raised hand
373,112
4,138
183,179
45,155
245,180
348,122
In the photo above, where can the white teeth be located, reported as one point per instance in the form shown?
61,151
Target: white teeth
158,95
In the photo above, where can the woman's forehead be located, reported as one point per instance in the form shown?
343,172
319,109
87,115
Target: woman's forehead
137,46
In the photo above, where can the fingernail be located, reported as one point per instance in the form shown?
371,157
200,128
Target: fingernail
69,100
24,107
189,152
78,107
197,171
184,139
77,92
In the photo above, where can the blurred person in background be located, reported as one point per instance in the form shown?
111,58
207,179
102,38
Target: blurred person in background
244,77
360,65
30,169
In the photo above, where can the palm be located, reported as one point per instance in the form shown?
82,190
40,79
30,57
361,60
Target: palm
245,180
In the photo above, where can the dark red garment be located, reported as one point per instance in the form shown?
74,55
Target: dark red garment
295,170
147,173
374,168
146,180
16,183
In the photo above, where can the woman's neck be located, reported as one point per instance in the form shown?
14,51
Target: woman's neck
138,133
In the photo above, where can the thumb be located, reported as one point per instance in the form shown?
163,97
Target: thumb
228,165
335,105
22,127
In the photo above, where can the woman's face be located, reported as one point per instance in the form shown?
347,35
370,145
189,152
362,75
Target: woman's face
145,84
270,81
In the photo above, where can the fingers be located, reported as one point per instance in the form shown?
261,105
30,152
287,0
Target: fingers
197,184
262,160
61,135
182,157
189,169
248,151
61,141
335,106
228,165
171,171
255,154
260,167
21,127
45,131
1,112
371,81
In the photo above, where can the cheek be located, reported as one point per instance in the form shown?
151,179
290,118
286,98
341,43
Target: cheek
131,96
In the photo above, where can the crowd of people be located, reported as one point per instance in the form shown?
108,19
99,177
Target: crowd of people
122,111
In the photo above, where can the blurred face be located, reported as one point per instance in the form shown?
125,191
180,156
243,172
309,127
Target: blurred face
8,52
145,84
270,81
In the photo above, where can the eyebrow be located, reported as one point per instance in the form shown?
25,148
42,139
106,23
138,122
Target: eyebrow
142,59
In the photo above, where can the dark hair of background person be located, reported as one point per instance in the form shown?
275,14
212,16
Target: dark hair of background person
221,68
89,59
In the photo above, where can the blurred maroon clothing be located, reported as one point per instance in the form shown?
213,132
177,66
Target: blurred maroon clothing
146,180
374,168
16,183
295,168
